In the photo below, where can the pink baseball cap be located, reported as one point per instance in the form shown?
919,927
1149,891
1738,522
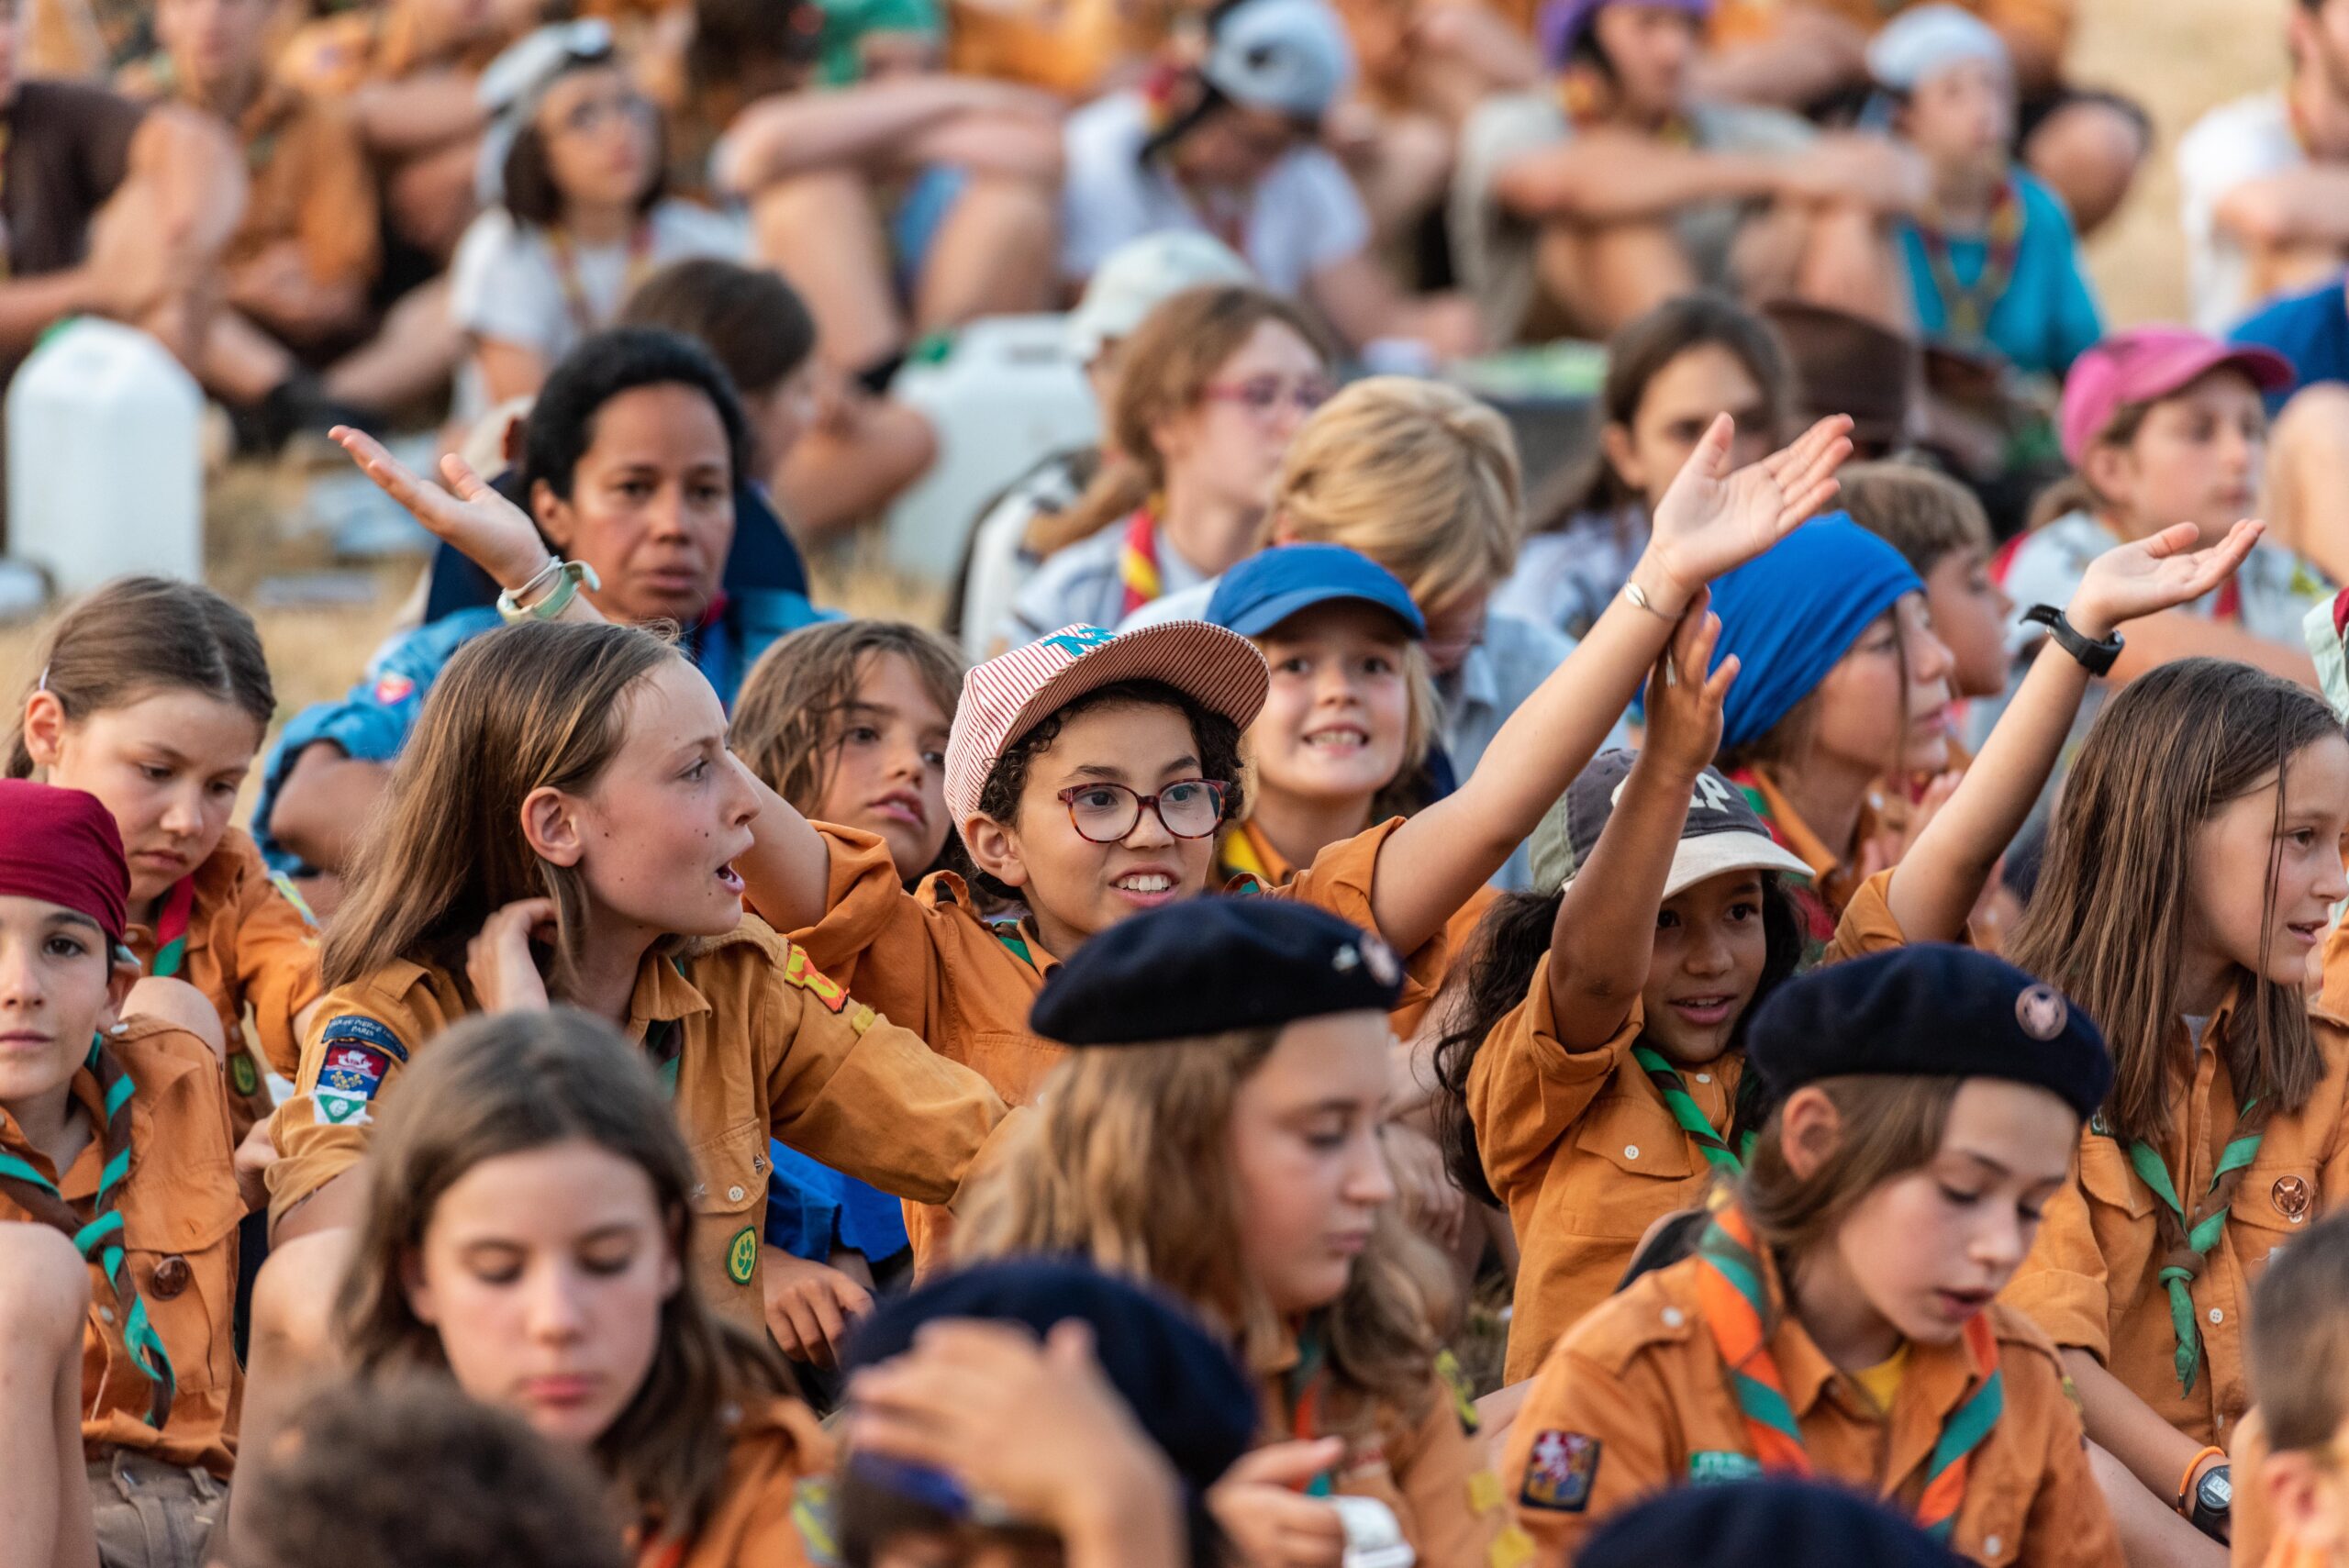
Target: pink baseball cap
2147,363
1009,695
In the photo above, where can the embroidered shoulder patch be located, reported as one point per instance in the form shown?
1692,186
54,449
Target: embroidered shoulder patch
1715,1466
244,1074
742,1256
348,1080
366,1031
811,1516
392,689
1559,1474
798,971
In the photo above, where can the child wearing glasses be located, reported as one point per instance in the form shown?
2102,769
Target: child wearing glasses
1088,774
1217,381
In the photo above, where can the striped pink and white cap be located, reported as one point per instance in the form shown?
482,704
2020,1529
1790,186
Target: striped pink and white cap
1009,695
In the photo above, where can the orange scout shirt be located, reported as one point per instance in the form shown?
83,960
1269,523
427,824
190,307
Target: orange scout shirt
766,1509
179,1208
247,943
2091,1281
1244,852
771,1048
1582,1148
1431,1472
1635,1399
928,961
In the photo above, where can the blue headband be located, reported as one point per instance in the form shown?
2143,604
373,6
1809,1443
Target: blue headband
1791,614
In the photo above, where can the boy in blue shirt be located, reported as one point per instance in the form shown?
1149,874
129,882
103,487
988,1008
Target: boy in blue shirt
1991,257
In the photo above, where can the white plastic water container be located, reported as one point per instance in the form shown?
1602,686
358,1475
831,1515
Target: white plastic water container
1007,394
105,473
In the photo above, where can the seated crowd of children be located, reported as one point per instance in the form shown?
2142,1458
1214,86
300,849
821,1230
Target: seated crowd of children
1768,993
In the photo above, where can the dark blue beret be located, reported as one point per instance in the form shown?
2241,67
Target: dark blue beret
1761,1524
1181,1383
1931,1010
1209,965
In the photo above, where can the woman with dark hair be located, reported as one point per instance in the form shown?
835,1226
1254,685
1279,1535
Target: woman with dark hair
577,211
627,471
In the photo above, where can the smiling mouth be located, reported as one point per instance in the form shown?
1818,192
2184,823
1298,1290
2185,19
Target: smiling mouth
1345,738
904,809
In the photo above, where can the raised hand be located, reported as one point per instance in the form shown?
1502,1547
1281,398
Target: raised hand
1711,521
2159,572
484,527
1684,703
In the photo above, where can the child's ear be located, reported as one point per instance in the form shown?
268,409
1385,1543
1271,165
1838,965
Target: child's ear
412,1285
121,976
552,826
2108,468
1614,442
995,850
1809,1131
44,729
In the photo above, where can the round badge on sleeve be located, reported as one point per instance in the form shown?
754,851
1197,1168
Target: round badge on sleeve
2042,1012
242,1072
742,1256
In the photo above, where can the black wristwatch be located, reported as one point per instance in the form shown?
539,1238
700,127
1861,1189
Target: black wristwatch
2214,1498
2095,657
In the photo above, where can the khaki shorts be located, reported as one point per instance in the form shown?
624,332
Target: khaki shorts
152,1515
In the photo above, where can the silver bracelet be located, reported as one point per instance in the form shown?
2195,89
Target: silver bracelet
541,578
1640,600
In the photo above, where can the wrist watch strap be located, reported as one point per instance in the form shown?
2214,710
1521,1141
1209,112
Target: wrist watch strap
2094,657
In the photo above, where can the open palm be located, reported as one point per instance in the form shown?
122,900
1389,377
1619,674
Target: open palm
2155,574
484,527
1712,520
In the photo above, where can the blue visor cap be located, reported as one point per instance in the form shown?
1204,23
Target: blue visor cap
1274,585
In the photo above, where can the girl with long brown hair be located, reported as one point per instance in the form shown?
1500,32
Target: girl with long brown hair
1215,382
564,828
2190,873
1218,1133
527,1227
155,697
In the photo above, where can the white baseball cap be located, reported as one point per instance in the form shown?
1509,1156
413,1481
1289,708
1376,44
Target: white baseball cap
1288,56
1921,43
1141,274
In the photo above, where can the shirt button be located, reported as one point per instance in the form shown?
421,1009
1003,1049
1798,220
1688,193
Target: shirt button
1630,1152
700,1191
733,1194
106,1314
170,1278
2217,1315
1674,1318
1704,1077
1990,1544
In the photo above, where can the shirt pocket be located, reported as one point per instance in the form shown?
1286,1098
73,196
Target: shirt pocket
2275,1203
183,1259
2110,1182
729,1200
1630,1164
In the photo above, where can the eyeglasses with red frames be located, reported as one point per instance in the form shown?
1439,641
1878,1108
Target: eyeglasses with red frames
1261,395
1106,813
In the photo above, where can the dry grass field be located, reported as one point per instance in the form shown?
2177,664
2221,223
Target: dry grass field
2176,57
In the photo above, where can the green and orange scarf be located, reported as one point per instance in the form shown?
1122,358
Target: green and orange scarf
1732,1292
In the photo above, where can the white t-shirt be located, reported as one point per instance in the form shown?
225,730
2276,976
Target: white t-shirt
2236,142
506,283
1305,215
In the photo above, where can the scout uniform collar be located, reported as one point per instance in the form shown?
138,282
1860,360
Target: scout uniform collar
1689,1116
105,1089
1246,856
1776,1374
657,1010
